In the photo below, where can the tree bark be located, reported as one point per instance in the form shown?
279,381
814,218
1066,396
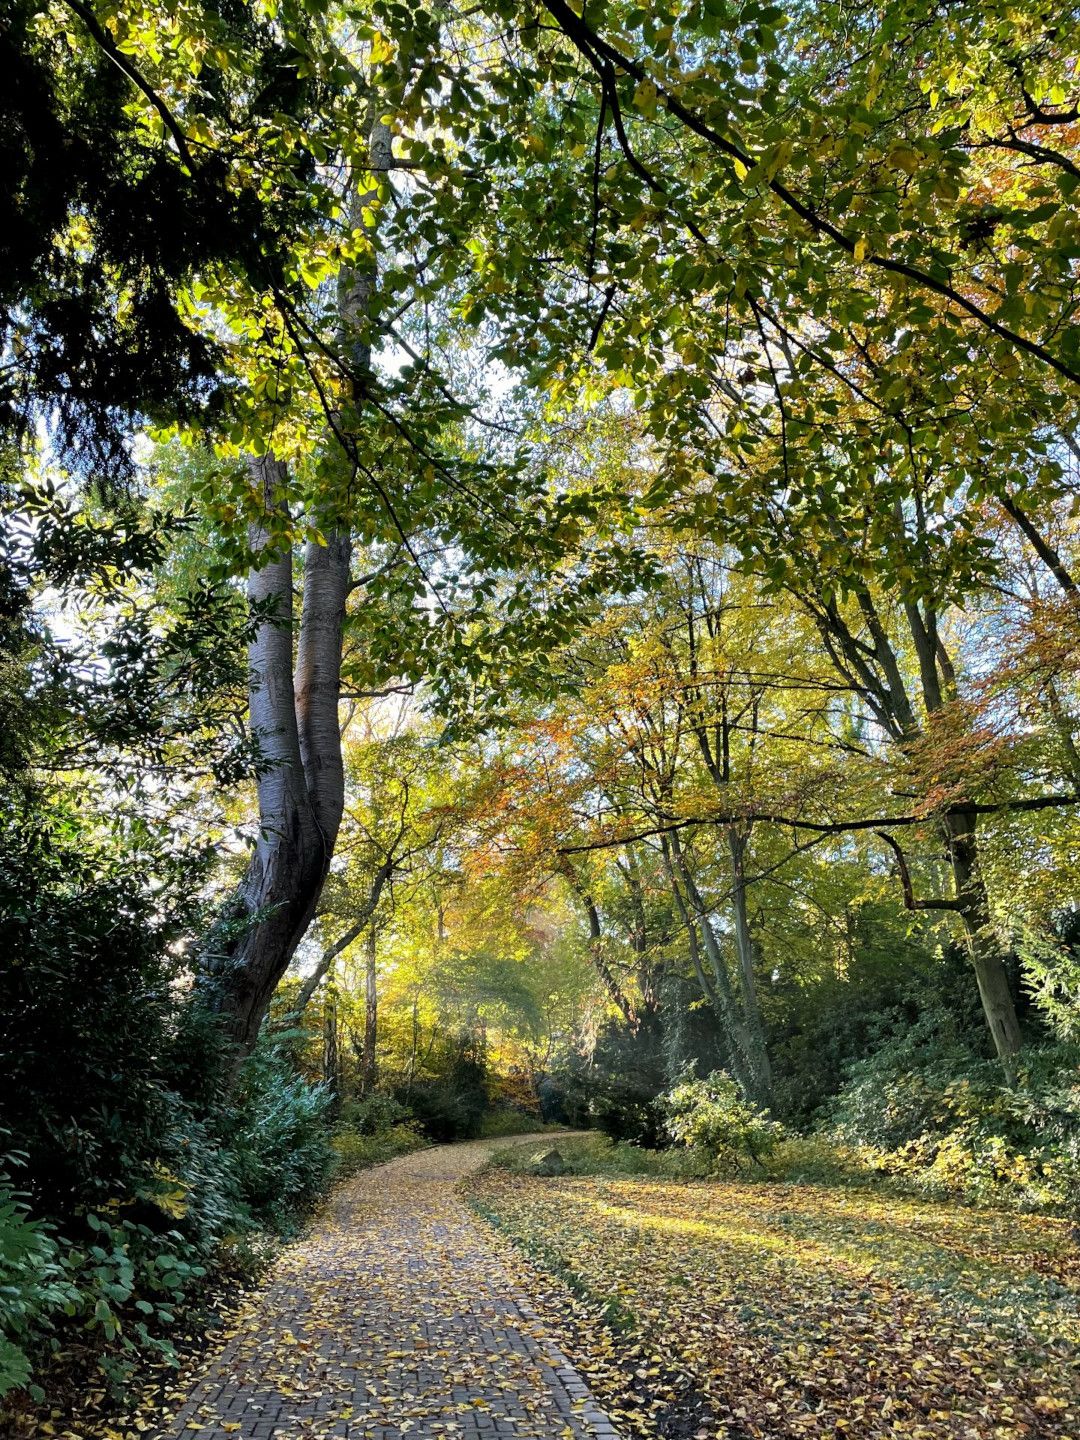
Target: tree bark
638,935
1046,552
984,947
749,1068
250,947
1065,732
706,986
881,684
330,954
596,947
746,955
294,718
331,1049
370,1070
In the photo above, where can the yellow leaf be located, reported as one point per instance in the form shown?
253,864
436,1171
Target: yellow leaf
381,49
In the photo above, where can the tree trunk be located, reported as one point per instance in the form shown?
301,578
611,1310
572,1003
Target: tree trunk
596,948
983,945
973,902
330,954
415,1042
251,946
647,973
1065,733
370,1071
294,717
885,693
747,1066
745,953
331,1051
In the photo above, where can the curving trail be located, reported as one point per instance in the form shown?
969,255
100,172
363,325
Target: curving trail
395,1318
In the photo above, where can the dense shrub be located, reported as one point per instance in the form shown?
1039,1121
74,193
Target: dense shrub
711,1116
941,1118
357,1151
1051,961
34,1285
616,1087
444,1113
280,1138
88,1002
143,1177
505,1121
593,1153
451,1105
891,982
374,1113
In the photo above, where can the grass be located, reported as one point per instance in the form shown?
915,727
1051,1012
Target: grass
790,1309
800,1160
499,1123
357,1152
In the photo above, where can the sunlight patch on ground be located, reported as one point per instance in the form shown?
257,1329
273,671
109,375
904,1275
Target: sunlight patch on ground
782,1311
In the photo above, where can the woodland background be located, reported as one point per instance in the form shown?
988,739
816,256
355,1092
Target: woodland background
538,584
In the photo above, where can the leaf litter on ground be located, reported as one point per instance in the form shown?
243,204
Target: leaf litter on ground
738,1310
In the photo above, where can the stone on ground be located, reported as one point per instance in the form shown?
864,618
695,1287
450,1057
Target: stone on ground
550,1163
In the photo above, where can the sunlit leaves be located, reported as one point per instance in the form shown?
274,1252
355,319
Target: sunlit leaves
802,1311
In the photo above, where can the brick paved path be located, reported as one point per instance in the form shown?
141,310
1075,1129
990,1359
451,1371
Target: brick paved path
396,1319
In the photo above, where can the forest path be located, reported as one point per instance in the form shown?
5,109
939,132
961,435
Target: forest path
395,1317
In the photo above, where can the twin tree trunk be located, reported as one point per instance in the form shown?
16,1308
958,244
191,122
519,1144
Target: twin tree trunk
293,710
737,1011
294,693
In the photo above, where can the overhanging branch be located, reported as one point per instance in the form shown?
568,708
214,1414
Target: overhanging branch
817,827
607,60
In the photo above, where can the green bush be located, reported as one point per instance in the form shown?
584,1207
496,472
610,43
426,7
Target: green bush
451,1104
820,1159
892,979
497,1123
594,1153
279,1139
88,1005
142,1175
34,1286
1051,960
615,1089
118,1270
711,1116
374,1113
356,1151
948,1125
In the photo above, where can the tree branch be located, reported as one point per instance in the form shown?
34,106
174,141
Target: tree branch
819,827
910,903
605,58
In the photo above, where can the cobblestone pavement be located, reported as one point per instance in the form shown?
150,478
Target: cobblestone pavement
395,1318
